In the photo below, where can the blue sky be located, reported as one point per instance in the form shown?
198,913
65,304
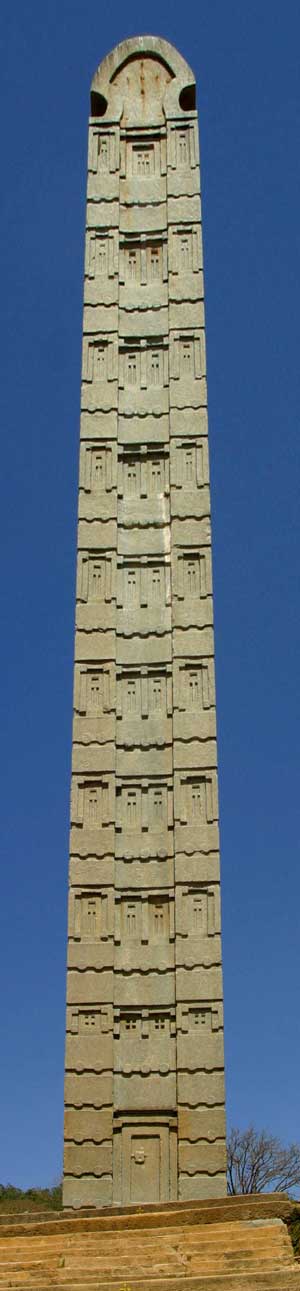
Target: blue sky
246,60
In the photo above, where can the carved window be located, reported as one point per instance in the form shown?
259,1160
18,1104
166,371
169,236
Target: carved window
98,469
132,369
155,695
159,917
156,475
132,587
196,801
132,477
155,368
131,918
155,584
192,578
130,1023
154,264
93,805
159,1022
200,1017
182,148
199,912
158,804
143,160
189,465
132,264
132,809
89,1021
96,580
103,152
100,358
132,695
101,255
194,690
185,252
94,693
187,359
89,916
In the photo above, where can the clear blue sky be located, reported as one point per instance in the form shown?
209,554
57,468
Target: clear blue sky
246,60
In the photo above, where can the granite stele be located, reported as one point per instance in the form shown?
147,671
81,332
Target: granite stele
144,1088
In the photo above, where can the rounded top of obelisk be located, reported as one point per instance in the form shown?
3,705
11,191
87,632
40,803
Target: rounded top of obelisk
149,75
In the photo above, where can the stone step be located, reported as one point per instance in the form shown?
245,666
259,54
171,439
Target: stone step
236,1236
168,1215
281,1280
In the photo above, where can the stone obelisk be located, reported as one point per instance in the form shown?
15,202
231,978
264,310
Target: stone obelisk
144,1089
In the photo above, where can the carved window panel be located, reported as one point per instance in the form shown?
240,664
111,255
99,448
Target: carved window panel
199,1019
132,696
88,1021
146,693
157,808
159,918
143,160
188,356
155,368
157,595
91,1021
96,580
100,254
103,150
93,690
90,920
198,800
157,694
156,481
189,464
132,586
144,806
143,364
98,359
92,802
96,576
194,693
97,468
95,804
132,374
192,575
133,264
100,362
154,263
132,476
143,583
183,146
199,911
142,473
143,260
131,918
185,249
143,155
130,1025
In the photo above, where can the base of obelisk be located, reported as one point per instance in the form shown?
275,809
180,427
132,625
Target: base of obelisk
235,1244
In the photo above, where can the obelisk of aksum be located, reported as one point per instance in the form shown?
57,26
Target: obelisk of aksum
144,1091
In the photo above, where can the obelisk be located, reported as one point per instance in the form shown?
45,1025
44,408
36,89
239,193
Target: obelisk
144,1091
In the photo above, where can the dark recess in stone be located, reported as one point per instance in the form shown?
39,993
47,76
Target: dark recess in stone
187,98
98,104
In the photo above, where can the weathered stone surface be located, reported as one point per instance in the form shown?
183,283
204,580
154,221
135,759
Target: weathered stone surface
144,1086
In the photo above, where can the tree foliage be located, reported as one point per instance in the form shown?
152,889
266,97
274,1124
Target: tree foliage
257,1162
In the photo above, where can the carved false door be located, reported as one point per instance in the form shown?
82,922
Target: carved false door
144,1169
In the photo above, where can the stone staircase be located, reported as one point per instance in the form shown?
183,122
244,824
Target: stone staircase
235,1244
